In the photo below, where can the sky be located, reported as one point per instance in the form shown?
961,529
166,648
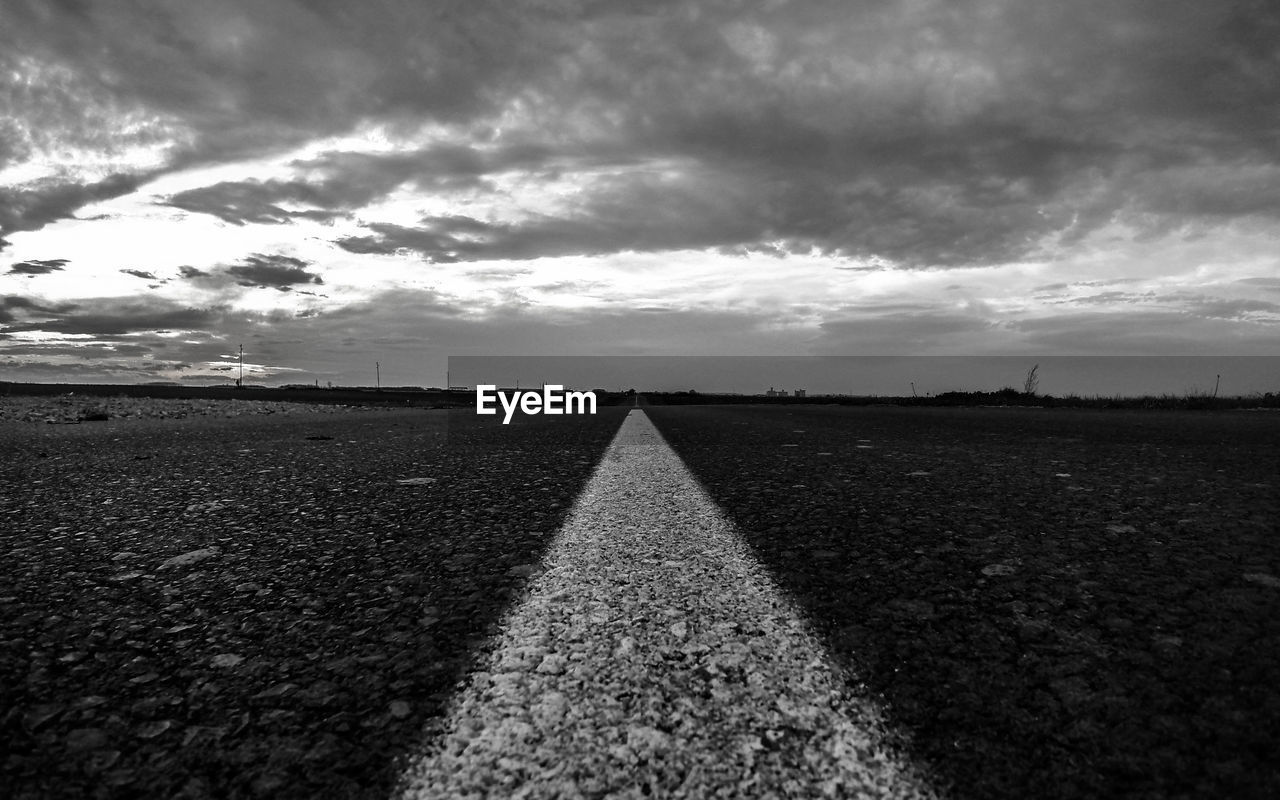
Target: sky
360,191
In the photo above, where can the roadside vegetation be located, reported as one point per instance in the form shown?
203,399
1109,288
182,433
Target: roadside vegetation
1194,398
86,402
1007,396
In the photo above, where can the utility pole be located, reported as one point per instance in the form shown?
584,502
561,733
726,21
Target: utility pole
378,373
240,380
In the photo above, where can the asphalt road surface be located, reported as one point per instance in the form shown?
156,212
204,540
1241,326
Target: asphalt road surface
1011,602
655,658
321,618
1051,603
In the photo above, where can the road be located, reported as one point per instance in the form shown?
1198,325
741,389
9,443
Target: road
655,658
304,656
1034,603
1052,603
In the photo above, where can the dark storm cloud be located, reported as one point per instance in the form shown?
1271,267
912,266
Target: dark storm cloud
248,202
13,307
626,212
953,132
92,370
274,271
122,338
932,133
340,182
719,204
38,267
112,316
31,208
356,178
247,78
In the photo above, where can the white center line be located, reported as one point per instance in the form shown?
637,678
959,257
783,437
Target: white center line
656,658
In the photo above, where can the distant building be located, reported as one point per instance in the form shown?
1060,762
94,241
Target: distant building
775,392
799,392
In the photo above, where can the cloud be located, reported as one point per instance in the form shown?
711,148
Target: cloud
1262,283
626,212
569,287
121,369
407,327
124,338
262,271
88,351
31,208
928,133
38,267
933,135
336,183
1232,308
12,307
497,275
910,330
1243,309
248,202
1162,331
243,81
1087,138
111,317
1110,298
275,271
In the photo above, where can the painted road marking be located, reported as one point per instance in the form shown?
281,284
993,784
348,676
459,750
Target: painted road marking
656,658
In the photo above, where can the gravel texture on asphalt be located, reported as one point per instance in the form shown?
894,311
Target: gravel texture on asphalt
264,606
654,658
1052,603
